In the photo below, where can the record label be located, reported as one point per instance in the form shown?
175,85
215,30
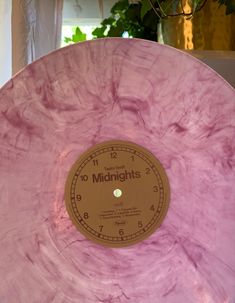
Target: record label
117,193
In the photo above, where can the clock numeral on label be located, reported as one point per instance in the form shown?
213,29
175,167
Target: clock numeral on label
85,215
140,224
78,198
147,170
152,208
84,177
121,232
95,162
113,155
101,228
155,189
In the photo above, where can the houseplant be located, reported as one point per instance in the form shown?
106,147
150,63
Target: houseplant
141,18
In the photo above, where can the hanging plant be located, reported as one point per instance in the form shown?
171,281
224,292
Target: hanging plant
140,19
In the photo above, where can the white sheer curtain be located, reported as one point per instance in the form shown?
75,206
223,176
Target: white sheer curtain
5,41
29,29
36,30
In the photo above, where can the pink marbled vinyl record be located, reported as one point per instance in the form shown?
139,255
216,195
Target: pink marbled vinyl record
131,90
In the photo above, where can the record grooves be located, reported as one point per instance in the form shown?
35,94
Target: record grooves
178,112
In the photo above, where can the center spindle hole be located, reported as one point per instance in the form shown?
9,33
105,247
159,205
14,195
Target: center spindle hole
117,193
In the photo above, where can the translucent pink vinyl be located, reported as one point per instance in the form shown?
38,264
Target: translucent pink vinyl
133,90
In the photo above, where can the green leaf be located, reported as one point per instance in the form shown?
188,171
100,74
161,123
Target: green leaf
108,21
133,12
119,6
67,39
116,31
79,35
99,32
76,37
145,7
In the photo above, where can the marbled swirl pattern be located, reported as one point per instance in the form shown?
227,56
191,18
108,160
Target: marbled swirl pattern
134,90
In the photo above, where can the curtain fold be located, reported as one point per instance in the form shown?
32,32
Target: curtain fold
36,30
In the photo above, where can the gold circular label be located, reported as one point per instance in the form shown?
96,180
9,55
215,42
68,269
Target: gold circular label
117,193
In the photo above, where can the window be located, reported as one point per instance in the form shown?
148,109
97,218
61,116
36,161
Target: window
87,14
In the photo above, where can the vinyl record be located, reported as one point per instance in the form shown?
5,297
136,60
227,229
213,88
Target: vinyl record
175,110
